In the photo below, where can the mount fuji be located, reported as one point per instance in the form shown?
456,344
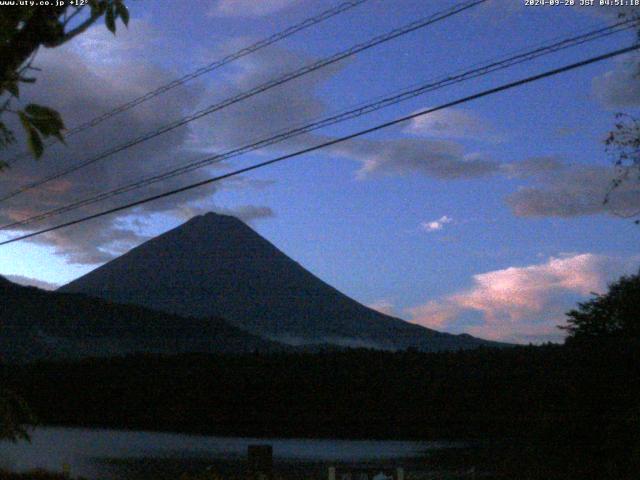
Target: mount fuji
217,266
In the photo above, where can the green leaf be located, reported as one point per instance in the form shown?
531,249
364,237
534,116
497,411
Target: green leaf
33,137
110,19
123,12
35,110
35,143
26,123
46,120
6,136
97,6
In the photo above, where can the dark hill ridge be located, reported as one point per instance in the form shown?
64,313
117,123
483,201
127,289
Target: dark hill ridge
37,324
215,265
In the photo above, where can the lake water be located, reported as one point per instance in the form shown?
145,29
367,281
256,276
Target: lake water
93,453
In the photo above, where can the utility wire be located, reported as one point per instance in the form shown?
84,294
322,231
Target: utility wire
411,27
360,110
309,22
485,93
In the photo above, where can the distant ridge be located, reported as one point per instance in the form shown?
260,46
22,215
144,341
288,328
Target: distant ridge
217,266
36,324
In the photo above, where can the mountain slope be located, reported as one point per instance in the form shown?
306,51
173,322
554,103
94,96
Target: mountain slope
215,265
37,324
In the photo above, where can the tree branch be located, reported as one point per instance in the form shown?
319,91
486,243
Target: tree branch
70,17
76,31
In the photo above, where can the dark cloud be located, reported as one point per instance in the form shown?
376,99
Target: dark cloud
82,80
619,87
576,190
433,158
295,104
261,116
560,189
93,243
533,167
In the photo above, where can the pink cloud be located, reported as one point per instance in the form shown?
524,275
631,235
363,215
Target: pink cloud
524,303
434,314
58,186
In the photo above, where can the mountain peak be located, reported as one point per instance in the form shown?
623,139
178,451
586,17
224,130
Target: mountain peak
211,220
210,217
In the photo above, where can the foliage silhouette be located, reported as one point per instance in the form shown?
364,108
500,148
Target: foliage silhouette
613,315
23,30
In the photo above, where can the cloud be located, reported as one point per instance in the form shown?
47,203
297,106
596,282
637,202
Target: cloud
435,225
82,81
533,167
268,113
32,282
451,123
439,315
620,87
249,8
296,103
86,245
523,304
246,213
574,190
121,69
433,158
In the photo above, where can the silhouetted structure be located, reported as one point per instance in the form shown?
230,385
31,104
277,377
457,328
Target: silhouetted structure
260,462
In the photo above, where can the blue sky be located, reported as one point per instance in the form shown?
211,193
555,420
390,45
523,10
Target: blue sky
485,218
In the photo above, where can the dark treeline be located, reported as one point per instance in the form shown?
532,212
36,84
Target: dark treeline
586,398
356,393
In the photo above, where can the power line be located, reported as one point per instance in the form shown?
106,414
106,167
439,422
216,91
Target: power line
411,27
485,93
505,62
308,22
